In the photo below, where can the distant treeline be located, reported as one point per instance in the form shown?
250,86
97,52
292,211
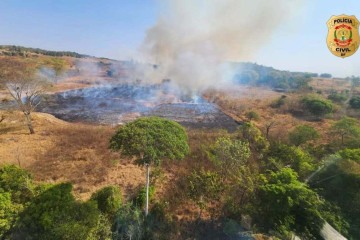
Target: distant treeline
9,50
254,74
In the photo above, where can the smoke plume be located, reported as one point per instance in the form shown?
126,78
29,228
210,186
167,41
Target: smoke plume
192,39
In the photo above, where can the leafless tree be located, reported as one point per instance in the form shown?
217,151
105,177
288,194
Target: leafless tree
268,126
27,94
2,118
24,85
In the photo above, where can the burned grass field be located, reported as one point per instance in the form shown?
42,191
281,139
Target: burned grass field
121,103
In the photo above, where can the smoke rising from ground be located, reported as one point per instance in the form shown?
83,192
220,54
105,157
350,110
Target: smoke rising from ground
193,38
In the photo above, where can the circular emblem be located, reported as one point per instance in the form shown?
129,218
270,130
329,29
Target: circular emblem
343,35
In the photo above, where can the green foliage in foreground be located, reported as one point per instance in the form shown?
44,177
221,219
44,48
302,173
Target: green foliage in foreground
30,211
108,200
204,187
229,156
250,133
281,155
286,205
140,198
55,214
16,190
339,183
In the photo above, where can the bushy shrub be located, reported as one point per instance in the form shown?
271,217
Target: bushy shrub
16,189
140,198
287,205
129,223
18,182
301,134
108,200
252,115
55,214
278,102
316,105
281,155
355,102
337,97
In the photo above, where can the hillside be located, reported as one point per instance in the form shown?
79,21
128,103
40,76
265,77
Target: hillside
267,147
10,50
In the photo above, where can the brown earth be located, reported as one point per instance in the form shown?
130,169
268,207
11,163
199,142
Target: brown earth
61,151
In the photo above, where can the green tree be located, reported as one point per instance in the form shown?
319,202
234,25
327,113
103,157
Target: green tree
229,156
339,183
252,115
55,214
150,140
108,200
9,212
287,205
231,160
355,102
302,134
16,190
337,97
249,132
129,224
281,155
317,106
204,187
18,182
351,154
346,127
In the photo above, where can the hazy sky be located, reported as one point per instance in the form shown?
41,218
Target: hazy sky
116,29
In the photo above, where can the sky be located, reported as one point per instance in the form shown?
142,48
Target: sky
116,29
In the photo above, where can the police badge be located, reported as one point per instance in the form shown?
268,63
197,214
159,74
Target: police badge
343,35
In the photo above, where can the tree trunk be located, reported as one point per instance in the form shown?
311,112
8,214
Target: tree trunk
29,122
147,188
201,207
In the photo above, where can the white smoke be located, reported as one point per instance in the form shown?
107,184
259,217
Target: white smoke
193,38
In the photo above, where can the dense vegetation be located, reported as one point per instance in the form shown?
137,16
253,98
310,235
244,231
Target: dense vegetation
242,176
254,74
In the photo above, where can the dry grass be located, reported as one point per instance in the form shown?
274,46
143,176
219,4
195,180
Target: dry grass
61,151
238,102
328,84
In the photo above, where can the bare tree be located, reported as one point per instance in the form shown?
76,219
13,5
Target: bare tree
24,85
268,126
27,94
2,118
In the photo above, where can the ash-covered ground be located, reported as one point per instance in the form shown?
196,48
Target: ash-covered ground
118,104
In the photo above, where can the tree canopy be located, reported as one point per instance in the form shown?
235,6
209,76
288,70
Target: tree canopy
287,205
317,106
302,134
346,128
151,139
